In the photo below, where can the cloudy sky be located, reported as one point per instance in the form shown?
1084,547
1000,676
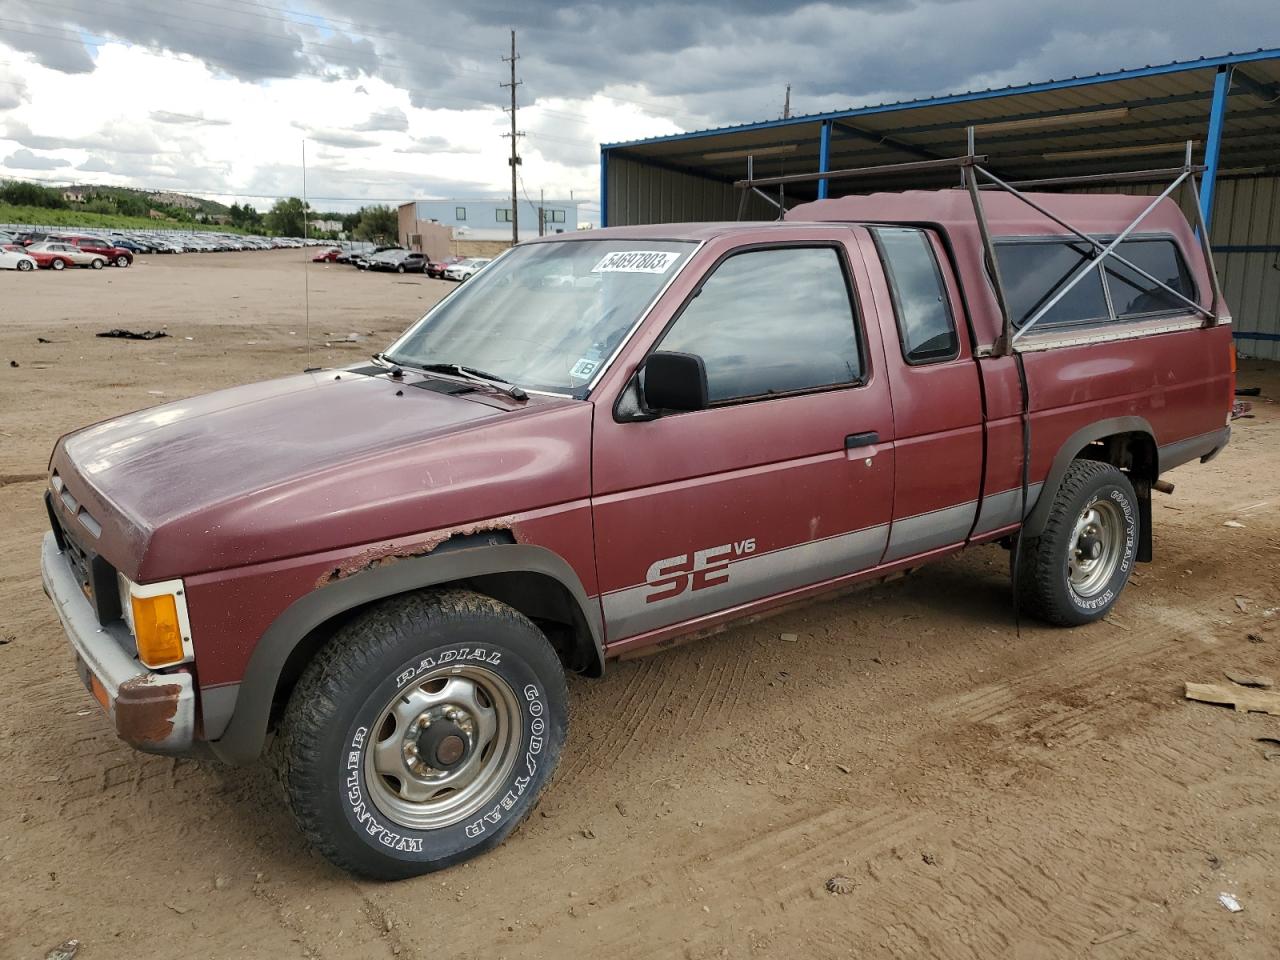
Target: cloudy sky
400,100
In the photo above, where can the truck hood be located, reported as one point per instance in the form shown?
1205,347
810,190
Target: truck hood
307,463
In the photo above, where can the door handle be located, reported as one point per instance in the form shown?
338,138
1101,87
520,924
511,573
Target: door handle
855,440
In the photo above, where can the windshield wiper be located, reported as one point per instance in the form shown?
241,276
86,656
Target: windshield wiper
477,376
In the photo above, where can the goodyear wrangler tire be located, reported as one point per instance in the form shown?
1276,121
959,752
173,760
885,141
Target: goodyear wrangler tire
422,733
1073,573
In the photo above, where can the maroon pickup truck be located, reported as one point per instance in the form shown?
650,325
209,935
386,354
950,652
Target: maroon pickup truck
606,441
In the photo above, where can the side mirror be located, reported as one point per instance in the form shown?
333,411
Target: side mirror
675,381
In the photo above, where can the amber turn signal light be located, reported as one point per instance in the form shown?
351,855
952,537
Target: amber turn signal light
157,631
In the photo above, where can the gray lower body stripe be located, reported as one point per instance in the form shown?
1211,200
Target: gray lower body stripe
1001,509
928,531
628,613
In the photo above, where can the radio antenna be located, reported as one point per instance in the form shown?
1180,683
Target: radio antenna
306,274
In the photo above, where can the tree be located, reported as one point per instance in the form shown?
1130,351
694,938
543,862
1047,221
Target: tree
285,218
377,223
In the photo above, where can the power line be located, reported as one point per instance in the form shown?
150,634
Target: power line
515,136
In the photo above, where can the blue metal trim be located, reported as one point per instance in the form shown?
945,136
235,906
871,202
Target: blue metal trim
1242,335
604,187
1177,66
1213,143
824,157
1246,248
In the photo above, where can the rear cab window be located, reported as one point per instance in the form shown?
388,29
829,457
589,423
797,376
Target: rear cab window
926,327
772,321
1035,270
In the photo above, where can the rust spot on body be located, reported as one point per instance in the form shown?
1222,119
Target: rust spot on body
379,555
145,707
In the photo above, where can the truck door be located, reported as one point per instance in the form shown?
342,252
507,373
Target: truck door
937,403
786,480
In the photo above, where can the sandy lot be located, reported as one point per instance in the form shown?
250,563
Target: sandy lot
987,795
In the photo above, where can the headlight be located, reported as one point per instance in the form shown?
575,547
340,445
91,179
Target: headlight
157,616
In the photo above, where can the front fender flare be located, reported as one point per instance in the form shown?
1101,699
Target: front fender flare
250,703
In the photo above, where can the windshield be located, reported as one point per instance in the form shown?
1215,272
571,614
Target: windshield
548,315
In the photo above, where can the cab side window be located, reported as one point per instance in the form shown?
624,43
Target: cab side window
772,321
926,327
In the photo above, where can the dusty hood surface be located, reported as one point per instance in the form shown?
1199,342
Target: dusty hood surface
280,468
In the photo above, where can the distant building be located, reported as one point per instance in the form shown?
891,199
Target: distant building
157,215
491,219
326,226
73,196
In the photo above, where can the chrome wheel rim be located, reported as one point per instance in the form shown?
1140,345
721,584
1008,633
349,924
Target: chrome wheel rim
443,746
1097,545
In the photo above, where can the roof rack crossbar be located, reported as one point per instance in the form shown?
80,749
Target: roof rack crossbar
1096,243
914,166
1123,176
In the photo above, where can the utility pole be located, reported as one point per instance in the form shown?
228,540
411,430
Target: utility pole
514,135
786,105
542,212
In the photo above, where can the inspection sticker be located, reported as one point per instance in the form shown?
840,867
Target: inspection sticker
636,261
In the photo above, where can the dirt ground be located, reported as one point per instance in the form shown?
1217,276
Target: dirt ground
987,795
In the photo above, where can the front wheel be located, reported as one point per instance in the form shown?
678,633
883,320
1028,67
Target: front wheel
422,733
98,263
25,265
400,268
58,264
1073,572
122,261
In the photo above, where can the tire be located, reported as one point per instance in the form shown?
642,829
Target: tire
98,263
58,264
25,266
122,261
1073,572
420,656
400,268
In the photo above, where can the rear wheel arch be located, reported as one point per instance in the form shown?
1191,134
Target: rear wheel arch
533,580
1126,442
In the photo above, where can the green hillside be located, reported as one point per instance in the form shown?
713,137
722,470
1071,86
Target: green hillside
43,216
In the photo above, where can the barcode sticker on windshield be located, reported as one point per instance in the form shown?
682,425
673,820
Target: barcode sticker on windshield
636,261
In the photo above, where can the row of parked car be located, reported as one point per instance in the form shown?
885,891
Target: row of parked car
29,249
400,260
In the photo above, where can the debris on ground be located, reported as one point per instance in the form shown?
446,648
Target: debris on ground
43,340
175,908
1255,638
119,333
1230,902
1249,679
789,637
1242,604
1113,935
840,885
13,363
63,951
1244,699
1234,523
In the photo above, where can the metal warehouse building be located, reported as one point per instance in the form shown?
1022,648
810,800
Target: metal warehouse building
1129,120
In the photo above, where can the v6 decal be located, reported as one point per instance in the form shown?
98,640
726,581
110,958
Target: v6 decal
709,567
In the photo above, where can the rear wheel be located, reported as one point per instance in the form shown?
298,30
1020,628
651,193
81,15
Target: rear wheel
58,264
1073,572
98,263
422,733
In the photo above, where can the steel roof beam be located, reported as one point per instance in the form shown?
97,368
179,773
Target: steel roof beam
883,139
1268,93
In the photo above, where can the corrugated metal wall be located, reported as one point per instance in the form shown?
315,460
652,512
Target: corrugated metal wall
1246,212
640,193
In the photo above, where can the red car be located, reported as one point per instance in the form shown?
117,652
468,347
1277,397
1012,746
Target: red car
117,256
436,268
608,441
328,256
57,255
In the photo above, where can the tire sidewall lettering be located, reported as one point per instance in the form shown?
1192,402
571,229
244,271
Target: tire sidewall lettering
1127,510
405,842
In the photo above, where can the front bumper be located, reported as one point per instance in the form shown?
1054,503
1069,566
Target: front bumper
154,712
